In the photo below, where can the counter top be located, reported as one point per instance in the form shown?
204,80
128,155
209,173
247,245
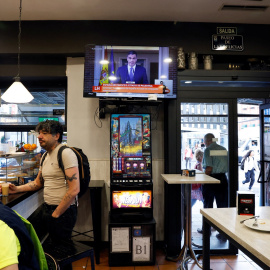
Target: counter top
14,199
24,203
182,179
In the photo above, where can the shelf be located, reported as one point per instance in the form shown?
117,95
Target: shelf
18,168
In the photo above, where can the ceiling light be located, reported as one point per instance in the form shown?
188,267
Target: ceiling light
17,93
112,78
104,62
167,60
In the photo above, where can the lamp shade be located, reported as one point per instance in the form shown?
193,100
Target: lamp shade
17,93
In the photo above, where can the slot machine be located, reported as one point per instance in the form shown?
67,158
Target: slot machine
131,190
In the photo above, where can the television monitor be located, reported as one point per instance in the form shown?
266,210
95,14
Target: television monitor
106,74
130,146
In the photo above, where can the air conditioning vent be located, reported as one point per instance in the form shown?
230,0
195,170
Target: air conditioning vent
247,8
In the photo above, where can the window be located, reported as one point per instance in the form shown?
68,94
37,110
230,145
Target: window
46,104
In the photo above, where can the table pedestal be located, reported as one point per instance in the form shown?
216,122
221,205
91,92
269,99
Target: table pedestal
183,256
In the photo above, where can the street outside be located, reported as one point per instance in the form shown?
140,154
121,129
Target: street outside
244,187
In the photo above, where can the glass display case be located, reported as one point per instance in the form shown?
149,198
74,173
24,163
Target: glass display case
19,168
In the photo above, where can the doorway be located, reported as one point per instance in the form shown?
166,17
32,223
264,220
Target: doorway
212,88
198,119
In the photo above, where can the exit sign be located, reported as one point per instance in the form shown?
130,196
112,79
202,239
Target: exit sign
227,30
41,119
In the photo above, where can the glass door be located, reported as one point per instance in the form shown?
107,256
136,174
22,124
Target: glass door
198,119
265,154
249,143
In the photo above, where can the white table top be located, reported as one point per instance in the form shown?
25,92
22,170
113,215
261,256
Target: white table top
227,219
197,179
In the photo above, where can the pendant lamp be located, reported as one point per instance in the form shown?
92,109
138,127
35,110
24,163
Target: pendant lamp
17,93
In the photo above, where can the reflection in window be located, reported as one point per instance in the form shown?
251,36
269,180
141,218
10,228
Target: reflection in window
249,106
206,117
204,109
45,105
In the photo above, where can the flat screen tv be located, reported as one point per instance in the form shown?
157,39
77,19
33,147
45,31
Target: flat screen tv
130,72
131,146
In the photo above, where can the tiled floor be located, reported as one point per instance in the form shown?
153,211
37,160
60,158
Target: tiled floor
238,262
197,223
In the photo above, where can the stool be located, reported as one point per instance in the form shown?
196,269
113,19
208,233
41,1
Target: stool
66,252
51,262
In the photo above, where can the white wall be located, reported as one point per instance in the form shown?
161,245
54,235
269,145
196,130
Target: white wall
93,135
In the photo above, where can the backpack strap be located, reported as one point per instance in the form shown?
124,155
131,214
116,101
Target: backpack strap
43,158
59,158
61,165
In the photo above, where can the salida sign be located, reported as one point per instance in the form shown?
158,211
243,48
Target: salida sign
227,42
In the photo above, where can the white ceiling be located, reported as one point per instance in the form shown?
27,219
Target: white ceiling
136,10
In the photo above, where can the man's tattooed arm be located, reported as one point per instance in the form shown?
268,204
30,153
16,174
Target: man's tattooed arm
33,186
73,177
67,197
37,184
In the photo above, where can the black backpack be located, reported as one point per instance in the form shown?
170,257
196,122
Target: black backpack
242,164
83,166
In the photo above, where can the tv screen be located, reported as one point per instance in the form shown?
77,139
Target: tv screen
131,199
130,72
131,146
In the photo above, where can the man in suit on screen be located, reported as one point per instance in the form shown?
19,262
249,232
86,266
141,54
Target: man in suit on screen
131,73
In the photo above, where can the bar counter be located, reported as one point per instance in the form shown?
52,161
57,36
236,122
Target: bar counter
24,203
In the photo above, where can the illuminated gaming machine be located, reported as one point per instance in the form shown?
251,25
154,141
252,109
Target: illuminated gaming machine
132,227
131,167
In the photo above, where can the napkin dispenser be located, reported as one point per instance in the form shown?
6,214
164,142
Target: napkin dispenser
245,203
